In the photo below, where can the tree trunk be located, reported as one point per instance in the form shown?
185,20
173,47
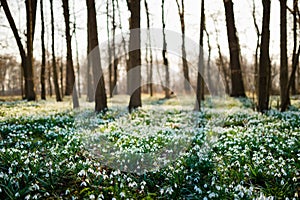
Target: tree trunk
237,89
25,63
264,70
43,66
283,53
183,56
150,75
134,56
164,54
286,99
295,11
200,72
30,19
70,75
54,68
109,52
94,58
115,58
256,49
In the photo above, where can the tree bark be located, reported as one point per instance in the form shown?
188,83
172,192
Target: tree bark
26,60
200,72
257,48
150,75
286,99
283,54
134,56
237,89
70,75
164,53
43,66
264,71
115,58
295,11
183,56
94,58
109,52
54,68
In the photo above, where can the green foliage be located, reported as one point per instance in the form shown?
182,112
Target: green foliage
235,154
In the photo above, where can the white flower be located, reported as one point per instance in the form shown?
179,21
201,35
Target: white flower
17,194
27,197
81,173
205,198
35,187
83,184
198,190
67,192
122,194
113,198
92,196
282,182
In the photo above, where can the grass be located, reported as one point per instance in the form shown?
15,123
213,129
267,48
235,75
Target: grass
161,151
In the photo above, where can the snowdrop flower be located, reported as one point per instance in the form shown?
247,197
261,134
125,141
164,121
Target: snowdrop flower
81,173
83,184
27,197
92,196
198,190
122,194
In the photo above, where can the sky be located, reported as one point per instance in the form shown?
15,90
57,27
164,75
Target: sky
215,20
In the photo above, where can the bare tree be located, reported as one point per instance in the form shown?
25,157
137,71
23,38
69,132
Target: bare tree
26,59
294,13
149,49
237,83
134,55
70,75
256,48
109,51
94,58
54,68
183,56
264,71
200,72
283,53
115,58
164,53
43,66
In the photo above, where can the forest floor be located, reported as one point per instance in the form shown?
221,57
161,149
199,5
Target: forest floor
163,150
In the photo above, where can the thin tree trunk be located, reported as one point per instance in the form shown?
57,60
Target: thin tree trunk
164,54
134,56
183,56
109,52
210,85
286,100
94,58
115,58
257,47
70,75
264,71
150,77
55,75
237,83
43,66
77,54
283,54
295,10
200,72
